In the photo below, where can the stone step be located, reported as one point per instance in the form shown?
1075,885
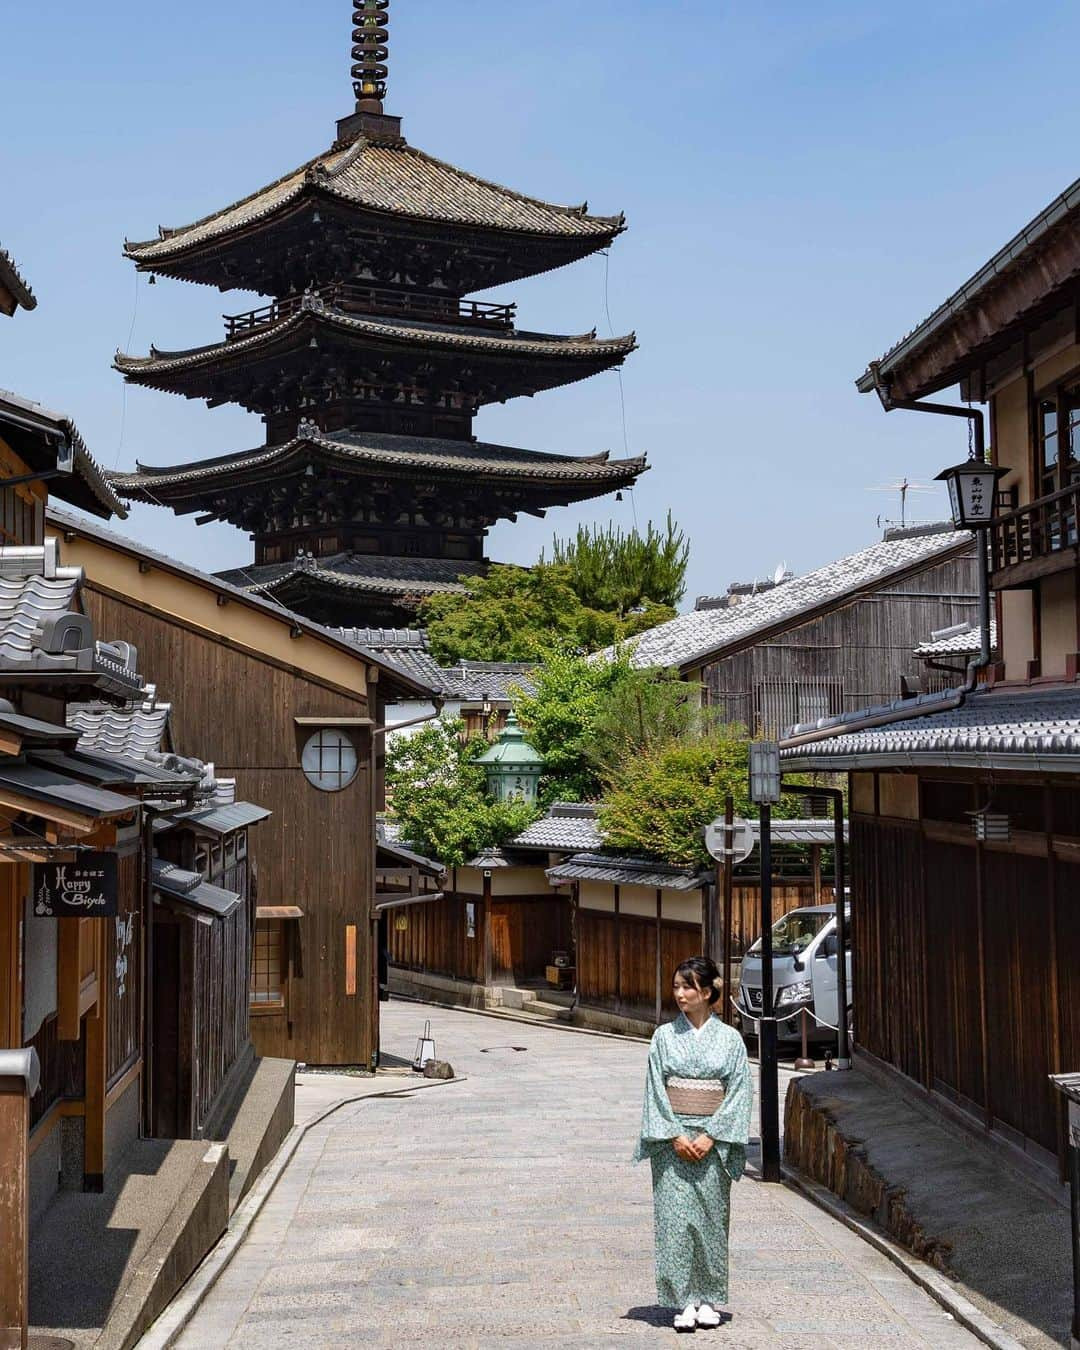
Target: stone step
541,1007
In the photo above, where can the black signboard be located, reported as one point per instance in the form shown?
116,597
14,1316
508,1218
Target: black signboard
83,889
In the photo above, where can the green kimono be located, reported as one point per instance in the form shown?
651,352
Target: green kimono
691,1199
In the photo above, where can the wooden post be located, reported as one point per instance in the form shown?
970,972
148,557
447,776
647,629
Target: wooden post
659,955
980,903
618,950
96,1074
487,932
14,1207
815,868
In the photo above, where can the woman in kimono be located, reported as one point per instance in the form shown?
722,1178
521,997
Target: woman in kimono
694,1128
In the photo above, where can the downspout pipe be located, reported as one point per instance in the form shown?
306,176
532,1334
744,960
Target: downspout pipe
977,420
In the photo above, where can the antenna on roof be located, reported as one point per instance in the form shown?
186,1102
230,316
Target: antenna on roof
779,574
903,487
370,53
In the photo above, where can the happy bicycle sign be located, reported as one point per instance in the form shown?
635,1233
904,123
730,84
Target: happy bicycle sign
84,889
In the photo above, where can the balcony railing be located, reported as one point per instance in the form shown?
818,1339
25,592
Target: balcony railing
372,300
1030,536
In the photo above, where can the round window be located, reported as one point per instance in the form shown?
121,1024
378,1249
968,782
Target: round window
329,760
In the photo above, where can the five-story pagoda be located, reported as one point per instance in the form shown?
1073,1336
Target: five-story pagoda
369,365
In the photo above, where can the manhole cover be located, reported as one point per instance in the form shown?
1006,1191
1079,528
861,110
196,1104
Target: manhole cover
510,1049
40,1342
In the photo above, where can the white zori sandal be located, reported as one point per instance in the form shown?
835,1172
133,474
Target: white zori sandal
687,1319
707,1316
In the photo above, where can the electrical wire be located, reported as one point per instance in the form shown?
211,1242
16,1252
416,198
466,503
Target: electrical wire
123,382
619,374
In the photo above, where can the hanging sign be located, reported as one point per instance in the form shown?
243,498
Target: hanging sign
83,889
743,839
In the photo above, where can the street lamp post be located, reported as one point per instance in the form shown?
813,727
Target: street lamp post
765,792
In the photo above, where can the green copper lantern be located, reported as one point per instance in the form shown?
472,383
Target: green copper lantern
512,766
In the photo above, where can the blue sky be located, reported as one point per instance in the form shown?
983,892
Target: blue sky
803,183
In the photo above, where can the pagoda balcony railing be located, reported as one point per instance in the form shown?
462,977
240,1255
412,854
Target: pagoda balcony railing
373,300
1036,539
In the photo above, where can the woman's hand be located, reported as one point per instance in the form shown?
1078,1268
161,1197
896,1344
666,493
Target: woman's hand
684,1148
701,1146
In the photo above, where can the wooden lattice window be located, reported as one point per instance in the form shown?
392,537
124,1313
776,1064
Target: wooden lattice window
268,965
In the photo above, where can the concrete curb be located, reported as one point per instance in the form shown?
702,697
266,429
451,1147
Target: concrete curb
552,1024
925,1276
174,1319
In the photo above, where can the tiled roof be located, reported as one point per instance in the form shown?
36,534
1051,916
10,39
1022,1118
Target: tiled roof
477,681
469,681
220,819
13,282
581,347
87,486
396,178
964,640
703,633
41,629
402,647
1031,730
557,833
44,783
357,572
409,454
619,871
137,729
190,889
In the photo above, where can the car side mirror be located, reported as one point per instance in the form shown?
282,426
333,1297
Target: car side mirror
830,947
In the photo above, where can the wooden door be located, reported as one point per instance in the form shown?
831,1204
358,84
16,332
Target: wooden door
502,942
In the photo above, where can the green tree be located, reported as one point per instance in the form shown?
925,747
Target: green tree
521,614
659,803
642,711
561,718
620,572
438,794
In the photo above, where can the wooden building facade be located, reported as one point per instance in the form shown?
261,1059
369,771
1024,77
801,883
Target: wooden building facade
828,642
966,804
309,757
554,909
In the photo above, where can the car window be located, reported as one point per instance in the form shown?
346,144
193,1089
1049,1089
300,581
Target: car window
794,932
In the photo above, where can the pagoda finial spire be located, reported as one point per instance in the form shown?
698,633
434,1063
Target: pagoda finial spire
370,53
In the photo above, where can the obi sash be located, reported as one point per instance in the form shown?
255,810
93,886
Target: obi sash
695,1096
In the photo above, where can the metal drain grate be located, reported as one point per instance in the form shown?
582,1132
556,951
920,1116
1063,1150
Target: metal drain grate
495,1049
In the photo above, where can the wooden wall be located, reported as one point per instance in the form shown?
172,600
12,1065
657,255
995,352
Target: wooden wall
237,710
525,931
617,960
201,984
859,650
123,967
435,938
967,956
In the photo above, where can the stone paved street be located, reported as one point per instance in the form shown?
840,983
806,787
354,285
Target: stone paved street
505,1210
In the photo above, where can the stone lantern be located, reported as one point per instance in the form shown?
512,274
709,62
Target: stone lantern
512,766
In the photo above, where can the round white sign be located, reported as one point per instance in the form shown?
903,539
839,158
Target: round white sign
744,837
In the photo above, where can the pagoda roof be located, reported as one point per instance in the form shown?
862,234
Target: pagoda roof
395,578
14,291
380,451
416,336
386,175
